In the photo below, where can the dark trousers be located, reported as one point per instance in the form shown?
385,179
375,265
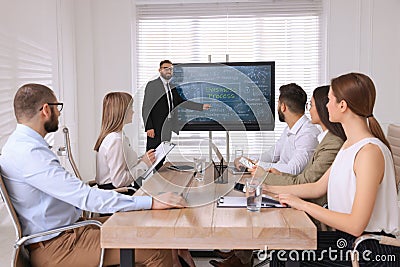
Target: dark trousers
333,249
160,135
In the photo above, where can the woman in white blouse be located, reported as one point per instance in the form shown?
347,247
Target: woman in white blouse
360,184
117,164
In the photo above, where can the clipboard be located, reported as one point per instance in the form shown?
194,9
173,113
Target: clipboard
160,153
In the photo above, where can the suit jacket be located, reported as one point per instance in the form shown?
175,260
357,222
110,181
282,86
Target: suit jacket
322,159
155,106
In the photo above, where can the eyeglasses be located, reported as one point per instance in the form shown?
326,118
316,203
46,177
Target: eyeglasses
59,106
308,105
168,68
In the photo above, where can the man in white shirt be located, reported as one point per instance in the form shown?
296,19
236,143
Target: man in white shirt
46,196
298,141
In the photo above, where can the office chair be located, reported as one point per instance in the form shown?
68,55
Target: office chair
20,257
71,160
69,153
383,240
393,137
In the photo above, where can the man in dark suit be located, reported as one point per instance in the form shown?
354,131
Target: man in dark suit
159,107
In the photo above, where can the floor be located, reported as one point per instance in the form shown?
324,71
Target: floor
7,236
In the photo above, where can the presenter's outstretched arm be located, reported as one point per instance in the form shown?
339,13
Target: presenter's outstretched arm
206,106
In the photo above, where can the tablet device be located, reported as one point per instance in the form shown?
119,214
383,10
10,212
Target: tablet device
181,168
160,153
246,162
242,170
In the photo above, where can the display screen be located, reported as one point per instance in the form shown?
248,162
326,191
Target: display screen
241,95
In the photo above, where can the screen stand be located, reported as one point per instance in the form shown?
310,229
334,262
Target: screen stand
227,148
210,145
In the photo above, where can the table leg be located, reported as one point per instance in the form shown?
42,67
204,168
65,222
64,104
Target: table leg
127,257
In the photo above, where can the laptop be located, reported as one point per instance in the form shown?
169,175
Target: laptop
233,169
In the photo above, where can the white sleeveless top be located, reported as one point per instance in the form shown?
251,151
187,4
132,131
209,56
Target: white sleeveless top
342,188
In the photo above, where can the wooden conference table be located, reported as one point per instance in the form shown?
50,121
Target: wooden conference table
204,226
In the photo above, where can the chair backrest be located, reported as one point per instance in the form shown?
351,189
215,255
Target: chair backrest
20,255
10,208
393,137
69,153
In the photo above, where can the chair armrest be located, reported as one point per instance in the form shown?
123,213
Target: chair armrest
121,189
57,230
362,238
384,240
124,189
391,241
92,183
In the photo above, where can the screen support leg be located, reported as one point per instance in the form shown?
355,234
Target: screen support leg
210,145
227,147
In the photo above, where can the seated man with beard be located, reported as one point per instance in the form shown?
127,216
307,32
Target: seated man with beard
298,141
46,196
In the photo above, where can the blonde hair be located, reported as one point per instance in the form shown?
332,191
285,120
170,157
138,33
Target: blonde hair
115,105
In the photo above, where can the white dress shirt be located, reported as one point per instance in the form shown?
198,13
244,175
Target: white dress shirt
117,162
322,135
168,92
44,194
294,148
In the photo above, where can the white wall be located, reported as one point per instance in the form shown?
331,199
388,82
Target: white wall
37,45
103,49
28,52
364,35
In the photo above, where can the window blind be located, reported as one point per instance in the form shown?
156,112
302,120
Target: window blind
21,62
287,32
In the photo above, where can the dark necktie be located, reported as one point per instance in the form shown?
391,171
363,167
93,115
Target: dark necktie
170,99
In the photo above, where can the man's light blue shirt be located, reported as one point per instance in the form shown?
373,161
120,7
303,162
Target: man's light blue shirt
44,194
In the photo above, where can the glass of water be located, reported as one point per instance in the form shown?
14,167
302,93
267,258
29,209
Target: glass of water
253,194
